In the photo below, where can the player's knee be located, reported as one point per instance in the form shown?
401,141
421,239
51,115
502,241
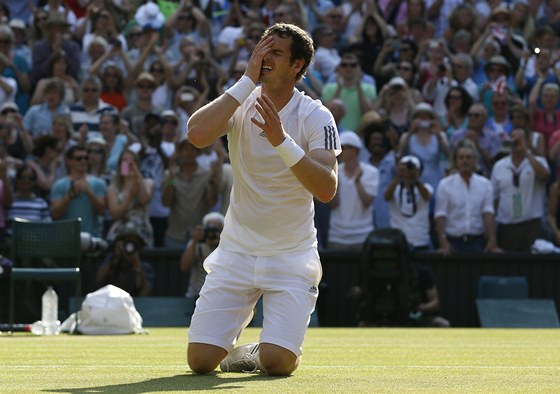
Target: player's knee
277,361
200,364
202,359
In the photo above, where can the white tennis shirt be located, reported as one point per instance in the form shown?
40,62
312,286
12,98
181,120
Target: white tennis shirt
270,211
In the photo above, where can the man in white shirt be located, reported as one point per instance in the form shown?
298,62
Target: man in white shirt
464,211
352,207
409,202
283,148
519,182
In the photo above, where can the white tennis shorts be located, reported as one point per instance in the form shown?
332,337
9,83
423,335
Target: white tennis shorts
235,282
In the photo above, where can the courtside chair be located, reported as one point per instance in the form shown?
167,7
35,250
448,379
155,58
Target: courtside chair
58,241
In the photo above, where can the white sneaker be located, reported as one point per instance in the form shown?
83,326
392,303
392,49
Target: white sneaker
244,358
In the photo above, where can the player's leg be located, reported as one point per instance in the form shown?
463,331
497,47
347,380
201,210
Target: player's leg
223,309
290,283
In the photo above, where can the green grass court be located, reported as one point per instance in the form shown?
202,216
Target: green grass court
343,360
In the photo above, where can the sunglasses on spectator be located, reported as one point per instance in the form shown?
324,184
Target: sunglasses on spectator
5,42
134,35
474,114
26,178
156,70
404,68
80,158
455,97
8,111
347,65
141,86
495,70
90,90
97,151
183,17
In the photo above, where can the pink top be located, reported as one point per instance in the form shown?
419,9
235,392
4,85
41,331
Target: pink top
544,126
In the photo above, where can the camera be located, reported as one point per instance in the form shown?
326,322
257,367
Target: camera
115,42
130,246
441,68
92,245
410,165
211,233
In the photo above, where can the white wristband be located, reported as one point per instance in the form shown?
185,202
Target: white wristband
290,152
241,89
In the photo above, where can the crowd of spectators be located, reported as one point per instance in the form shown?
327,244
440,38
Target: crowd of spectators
95,96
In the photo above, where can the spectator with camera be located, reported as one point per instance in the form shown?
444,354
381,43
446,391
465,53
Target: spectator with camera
427,141
409,200
124,268
204,240
128,199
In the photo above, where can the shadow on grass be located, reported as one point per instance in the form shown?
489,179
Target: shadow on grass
186,382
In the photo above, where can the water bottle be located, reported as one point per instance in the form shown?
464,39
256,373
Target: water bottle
49,313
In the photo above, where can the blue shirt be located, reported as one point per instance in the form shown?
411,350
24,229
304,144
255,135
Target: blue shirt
38,119
81,206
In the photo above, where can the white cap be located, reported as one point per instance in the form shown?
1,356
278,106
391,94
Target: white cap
350,138
398,81
413,160
169,112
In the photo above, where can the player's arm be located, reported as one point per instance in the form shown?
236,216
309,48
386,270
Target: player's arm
214,119
318,172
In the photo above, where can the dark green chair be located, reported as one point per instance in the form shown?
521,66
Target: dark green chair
58,241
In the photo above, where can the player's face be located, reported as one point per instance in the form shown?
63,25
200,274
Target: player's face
276,66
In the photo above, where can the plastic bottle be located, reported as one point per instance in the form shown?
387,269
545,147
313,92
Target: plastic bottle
49,312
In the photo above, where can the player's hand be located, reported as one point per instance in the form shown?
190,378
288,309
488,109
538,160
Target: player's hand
272,126
255,63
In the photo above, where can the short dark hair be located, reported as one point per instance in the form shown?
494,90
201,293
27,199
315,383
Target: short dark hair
302,44
43,142
74,148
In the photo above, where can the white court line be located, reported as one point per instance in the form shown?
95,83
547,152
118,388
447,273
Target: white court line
184,367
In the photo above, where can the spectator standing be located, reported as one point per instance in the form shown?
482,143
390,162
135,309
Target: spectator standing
135,113
6,197
58,69
26,204
349,87
153,163
45,162
409,201
382,157
56,41
79,194
352,207
17,67
110,126
457,102
128,198
86,113
464,210
326,55
547,119
553,212
519,181
114,87
427,141
395,102
39,118
487,141
189,191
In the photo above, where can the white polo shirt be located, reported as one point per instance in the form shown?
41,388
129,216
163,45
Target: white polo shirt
270,211
518,204
351,222
463,205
